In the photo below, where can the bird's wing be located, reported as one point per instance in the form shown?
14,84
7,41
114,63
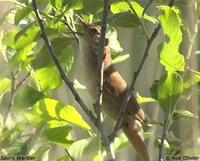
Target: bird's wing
116,86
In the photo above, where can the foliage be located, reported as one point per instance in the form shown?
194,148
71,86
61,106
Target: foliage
42,117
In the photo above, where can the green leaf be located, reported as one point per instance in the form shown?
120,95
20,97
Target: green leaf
78,85
2,47
49,109
98,158
21,14
64,158
121,142
40,152
113,42
147,135
9,38
154,122
26,36
120,58
124,7
154,90
185,114
27,97
170,88
171,25
49,78
93,6
23,57
64,52
58,135
5,86
74,4
30,142
158,142
142,100
84,149
192,78
125,19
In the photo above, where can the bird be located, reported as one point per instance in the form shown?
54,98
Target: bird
114,87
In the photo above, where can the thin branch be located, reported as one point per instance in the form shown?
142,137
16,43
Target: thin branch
58,65
135,76
100,70
164,132
72,159
135,13
70,28
14,88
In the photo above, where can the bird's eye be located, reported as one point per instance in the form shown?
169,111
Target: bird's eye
94,31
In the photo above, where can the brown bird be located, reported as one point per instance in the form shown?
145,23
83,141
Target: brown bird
114,87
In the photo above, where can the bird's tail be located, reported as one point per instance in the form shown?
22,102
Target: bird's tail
134,131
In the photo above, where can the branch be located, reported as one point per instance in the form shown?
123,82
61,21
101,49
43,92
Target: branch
58,65
135,76
72,159
100,70
70,28
164,132
14,89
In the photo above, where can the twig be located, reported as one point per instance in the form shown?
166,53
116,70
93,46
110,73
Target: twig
164,132
72,159
100,70
14,89
135,76
70,28
135,13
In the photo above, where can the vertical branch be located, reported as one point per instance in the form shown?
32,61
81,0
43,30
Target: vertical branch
14,88
135,76
164,132
100,70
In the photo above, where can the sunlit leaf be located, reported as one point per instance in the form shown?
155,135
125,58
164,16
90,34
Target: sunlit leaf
184,114
5,86
113,42
124,7
50,109
120,58
78,85
23,57
125,19
48,77
165,143
171,23
98,158
21,14
170,88
141,99
26,36
2,47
